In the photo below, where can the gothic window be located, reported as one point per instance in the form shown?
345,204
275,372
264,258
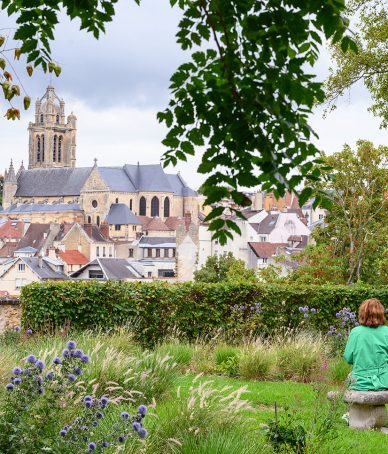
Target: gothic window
142,206
154,206
42,148
117,200
38,149
55,148
130,204
60,148
57,119
89,220
166,207
41,118
98,220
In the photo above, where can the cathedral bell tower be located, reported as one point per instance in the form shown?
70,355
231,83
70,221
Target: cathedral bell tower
52,138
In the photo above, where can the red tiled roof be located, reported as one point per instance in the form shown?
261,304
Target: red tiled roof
145,220
157,224
73,257
264,249
8,249
11,229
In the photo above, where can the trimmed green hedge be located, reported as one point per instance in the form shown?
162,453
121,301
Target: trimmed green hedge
157,309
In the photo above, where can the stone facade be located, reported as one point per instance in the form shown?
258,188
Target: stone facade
10,314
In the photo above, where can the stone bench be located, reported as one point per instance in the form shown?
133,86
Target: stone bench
366,408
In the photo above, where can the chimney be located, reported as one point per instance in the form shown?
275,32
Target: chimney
40,261
88,229
104,229
51,253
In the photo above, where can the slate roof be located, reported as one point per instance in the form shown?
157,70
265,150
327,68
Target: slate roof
149,177
116,179
119,213
35,236
73,257
116,269
46,272
157,241
12,229
66,181
265,249
266,225
28,249
41,207
179,186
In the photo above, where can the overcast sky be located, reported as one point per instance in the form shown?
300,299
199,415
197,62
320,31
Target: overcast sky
116,86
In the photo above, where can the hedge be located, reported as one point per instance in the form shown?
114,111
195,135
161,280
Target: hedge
157,309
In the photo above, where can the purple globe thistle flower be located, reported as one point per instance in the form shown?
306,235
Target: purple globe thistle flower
57,360
9,387
78,353
17,381
142,433
17,371
95,423
40,390
85,438
63,433
39,364
88,403
84,428
77,370
85,359
92,446
99,415
136,426
88,398
121,438
50,376
27,371
38,379
29,331
339,334
72,377
31,359
142,410
104,401
17,328
65,353
306,315
105,444
71,345
125,415
313,310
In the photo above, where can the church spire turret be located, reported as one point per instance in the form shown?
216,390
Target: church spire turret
52,138
21,168
10,186
11,177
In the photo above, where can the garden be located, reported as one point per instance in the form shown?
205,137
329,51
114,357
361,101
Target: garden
257,383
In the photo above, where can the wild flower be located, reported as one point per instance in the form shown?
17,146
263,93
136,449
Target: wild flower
17,381
39,364
77,370
125,415
57,360
142,410
72,377
85,359
71,345
66,353
307,311
17,328
142,433
16,371
29,331
92,446
31,359
9,387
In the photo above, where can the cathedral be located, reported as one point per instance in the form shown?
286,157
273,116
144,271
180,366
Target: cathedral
54,190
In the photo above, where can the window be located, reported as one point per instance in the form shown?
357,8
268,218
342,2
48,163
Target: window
166,252
89,220
94,204
117,227
264,260
157,252
130,204
21,267
142,206
173,252
38,149
166,210
96,274
104,251
263,239
42,148
149,274
57,119
321,216
166,273
130,253
134,228
55,140
110,252
60,148
117,200
149,252
19,283
98,220
154,206
98,251
41,118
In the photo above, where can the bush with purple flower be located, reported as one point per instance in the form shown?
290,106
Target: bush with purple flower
345,321
248,316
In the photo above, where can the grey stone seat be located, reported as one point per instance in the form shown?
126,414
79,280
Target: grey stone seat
366,408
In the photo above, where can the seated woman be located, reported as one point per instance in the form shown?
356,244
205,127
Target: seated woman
367,349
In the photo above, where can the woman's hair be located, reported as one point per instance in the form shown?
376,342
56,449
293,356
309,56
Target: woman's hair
371,313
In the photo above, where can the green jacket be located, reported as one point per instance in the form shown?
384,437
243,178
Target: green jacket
367,351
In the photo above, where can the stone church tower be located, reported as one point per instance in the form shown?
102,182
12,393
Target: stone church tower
52,140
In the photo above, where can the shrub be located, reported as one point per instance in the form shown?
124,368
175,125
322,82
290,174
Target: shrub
256,364
226,359
193,309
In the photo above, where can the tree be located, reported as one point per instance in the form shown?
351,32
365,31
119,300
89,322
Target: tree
357,225
245,95
370,63
222,268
